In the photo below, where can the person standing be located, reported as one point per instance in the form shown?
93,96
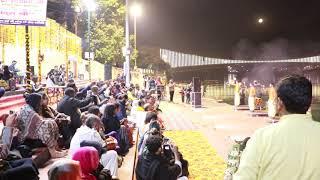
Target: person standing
236,95
252,97
182,93
242,93
152,84
290,148
171,89
272,108
188,93
145,81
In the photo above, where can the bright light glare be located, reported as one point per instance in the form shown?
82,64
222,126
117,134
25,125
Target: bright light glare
136,10
260,21
77,9
90,5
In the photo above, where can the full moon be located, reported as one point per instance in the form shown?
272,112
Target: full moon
260,20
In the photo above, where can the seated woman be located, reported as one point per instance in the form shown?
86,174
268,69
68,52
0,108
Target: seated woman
88,158
61,119
32,126
65,169
124,121
112,124
49,112
110,121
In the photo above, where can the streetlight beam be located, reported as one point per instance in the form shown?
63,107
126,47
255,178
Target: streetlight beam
90,5
136,10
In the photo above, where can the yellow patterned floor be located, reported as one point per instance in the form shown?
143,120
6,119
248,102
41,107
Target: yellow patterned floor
204,162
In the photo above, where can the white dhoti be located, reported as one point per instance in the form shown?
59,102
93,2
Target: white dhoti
251,103
236,99
272,109
109,160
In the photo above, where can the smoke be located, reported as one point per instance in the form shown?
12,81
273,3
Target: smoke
279,48
260,72
275,49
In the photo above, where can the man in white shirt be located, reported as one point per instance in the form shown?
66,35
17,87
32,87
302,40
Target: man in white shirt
89,132
288,150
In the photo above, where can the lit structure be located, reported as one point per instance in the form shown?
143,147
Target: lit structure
177,59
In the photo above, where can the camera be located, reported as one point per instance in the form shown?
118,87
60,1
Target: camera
167,148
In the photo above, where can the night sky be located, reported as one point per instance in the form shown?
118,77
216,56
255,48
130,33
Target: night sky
215,27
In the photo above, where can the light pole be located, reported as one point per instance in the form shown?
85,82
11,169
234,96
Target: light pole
136,12
91,6
127,47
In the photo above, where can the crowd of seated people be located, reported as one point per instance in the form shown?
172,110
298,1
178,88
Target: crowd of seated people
90,126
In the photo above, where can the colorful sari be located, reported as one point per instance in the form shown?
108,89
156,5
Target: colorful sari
32,126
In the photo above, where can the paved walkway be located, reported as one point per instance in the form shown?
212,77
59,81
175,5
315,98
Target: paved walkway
217,121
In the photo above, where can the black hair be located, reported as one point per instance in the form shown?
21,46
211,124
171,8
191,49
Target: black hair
154,125
73,86
109,111
141,103
70,92
125,97
44,95
34,100
153,143
295,92
94,110
117,105
150,116
244,143
154,132
92,120
146,107
5,68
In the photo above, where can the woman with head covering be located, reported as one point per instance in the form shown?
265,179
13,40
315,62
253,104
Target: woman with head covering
112,124
88,158
33,127
65,169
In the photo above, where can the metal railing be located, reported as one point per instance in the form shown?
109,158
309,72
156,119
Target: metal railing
226,92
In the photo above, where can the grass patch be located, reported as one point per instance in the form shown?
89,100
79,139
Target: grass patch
204,162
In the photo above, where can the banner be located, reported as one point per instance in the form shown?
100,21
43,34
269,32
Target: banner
23,12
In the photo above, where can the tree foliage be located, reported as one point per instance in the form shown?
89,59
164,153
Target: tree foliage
107,31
